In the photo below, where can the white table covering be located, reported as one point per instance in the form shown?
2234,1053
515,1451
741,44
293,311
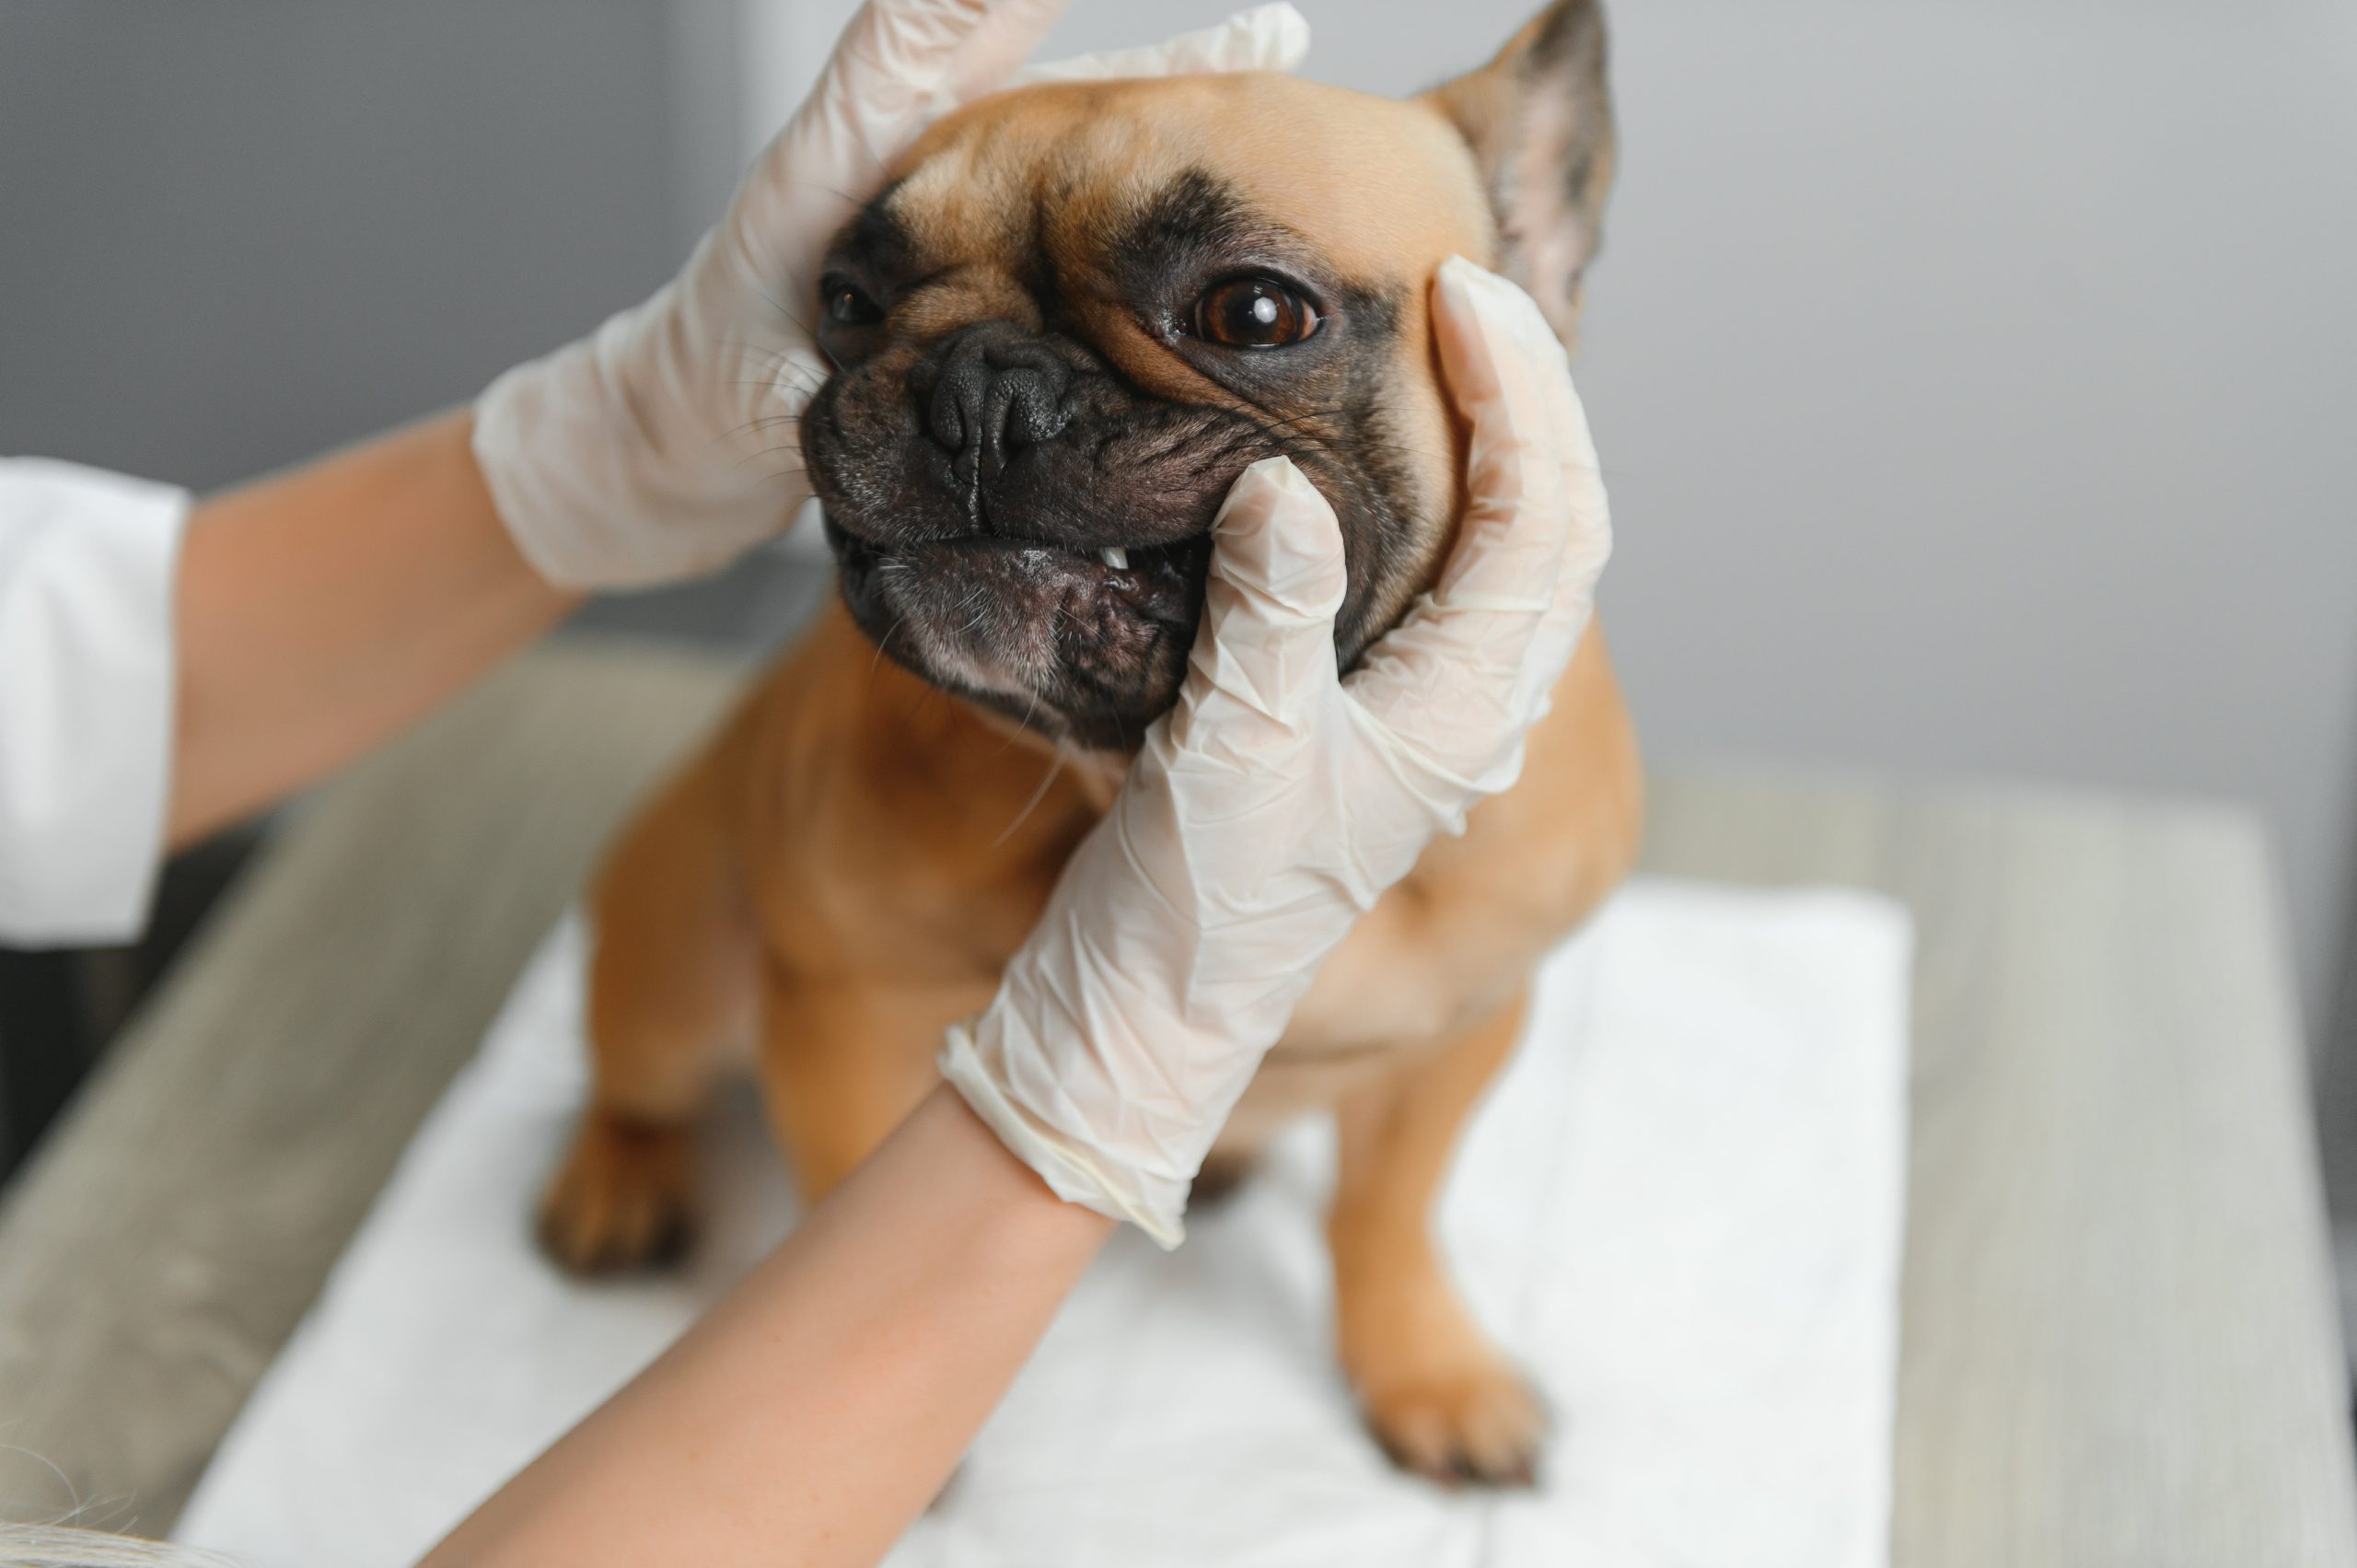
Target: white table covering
1680,1209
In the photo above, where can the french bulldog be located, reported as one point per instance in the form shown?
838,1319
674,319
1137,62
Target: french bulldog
1073,316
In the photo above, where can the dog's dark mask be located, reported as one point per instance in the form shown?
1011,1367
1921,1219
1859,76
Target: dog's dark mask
1080,312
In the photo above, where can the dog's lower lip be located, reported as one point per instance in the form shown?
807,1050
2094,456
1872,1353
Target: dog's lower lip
1119,559
1158,582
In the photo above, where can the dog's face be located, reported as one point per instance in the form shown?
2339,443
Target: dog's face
1079,311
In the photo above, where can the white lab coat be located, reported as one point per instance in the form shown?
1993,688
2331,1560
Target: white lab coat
87,562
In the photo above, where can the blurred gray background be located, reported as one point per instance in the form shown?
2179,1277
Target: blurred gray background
1977,379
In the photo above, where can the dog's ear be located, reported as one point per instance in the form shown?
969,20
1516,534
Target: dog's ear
1538,118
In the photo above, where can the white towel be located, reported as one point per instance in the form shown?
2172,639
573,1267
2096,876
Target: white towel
1680,1210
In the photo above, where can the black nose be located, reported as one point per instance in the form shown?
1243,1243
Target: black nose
989,391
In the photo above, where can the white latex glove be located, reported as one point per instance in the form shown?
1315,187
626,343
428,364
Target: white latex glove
1277,801
668,442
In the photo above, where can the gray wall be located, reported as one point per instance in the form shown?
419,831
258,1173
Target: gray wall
1981,380
1977,377
235,233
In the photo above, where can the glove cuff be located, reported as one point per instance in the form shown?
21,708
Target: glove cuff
1074,1172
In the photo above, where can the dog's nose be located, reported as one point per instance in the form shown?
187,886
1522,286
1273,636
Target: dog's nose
991,389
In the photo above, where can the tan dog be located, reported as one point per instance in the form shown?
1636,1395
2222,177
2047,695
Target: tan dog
1074,317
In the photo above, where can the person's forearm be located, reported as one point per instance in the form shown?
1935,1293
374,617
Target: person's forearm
812,1415
322,609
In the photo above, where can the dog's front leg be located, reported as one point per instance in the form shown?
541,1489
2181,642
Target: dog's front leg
1437,1393
843,1062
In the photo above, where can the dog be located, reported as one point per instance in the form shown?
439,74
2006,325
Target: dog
1073,318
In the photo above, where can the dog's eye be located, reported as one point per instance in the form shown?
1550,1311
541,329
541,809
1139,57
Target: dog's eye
1254,313
847,303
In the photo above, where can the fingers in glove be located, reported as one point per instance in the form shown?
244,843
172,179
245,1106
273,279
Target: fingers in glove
1264,656
1266,38
901,63
1589,543
1457,681
1507,374
898,65
1513,331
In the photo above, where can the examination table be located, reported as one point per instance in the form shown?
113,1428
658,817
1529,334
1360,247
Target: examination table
2119,1343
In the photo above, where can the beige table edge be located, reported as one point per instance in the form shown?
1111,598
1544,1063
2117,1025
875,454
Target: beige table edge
2118,1341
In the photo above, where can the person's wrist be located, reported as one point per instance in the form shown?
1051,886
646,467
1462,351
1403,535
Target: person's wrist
995,1062
1005,1184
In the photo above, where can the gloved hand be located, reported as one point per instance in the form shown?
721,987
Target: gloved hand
1277,801
667,443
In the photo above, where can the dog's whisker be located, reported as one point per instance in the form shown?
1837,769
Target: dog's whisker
877,662
1055,767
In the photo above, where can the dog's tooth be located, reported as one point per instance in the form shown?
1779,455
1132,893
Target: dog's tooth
1113,555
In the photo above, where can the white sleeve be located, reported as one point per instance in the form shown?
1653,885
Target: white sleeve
87,562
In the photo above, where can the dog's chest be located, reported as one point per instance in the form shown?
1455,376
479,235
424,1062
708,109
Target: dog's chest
1344,1037
1302,1076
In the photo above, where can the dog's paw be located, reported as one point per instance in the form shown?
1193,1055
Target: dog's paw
623,1199
1478,1424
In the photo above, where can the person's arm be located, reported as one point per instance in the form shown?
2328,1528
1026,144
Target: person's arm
320,610
822,1406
